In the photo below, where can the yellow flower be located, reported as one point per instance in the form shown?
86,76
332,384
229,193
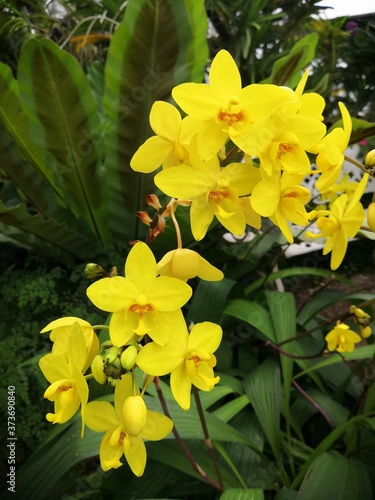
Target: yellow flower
342,339
141,302
282,199
126,425
331,151
281,139
224,107
184,264
169,146
188,358
214,192
68,389
341,222
60,332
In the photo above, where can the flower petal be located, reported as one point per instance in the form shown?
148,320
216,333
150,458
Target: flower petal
167,294
112,294
205,336
100,416
157,427
157,360
151,155
140,266
165,120
201,215
135,454
181,386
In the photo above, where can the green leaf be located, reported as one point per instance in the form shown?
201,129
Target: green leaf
263,387
252,313
229,410
361,129
159,44
287,69
242,494
334,476
209,300
57,98
36,230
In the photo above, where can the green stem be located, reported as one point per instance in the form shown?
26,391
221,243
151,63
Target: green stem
356,164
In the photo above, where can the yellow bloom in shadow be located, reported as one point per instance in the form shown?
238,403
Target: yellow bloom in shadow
342,339
126,425
185,264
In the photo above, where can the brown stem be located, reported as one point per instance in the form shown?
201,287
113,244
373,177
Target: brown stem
314,403
288,355
181,443
207,439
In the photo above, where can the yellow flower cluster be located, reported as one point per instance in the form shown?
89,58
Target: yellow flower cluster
147,330
276,129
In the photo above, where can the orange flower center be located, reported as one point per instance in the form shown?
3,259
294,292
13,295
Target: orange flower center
218,196
284,148
292,194
64,388
141,310
121,438
230,118
196,360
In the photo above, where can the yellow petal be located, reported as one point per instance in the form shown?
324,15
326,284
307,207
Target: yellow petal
206,336
100,416
265,198
181,386
121,328
54,367
157,427
196,99
110,455
67,321
135,454
157,360
167,294
151,155
165,120
140,266
201,216
112,294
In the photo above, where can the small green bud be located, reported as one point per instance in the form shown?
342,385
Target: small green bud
97,369
128,357
94,271
112,381
111,354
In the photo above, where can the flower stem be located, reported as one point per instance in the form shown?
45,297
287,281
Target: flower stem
207,439
314,403
177,228
181,443
357,164
288,355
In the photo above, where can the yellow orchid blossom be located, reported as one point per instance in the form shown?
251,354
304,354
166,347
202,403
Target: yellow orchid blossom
214,192
141,302
341,222
188,358
185,264
330,151
224,107
68,389
60,331
126,425
282,199
169,147
342,338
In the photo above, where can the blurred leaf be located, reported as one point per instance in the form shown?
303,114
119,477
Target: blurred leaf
241,494
333,476
361,129
252,313
209,300
263,386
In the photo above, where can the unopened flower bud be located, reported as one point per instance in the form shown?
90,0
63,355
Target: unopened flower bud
365,331
153,201
370,159
112,381
128,357
94,271
134,414
371,216
111,354
97,369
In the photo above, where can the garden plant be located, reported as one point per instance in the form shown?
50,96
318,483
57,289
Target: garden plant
191,172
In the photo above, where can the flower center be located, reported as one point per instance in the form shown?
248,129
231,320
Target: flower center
218,196
121,438
64,388
284,148
196,360
231,115
141,307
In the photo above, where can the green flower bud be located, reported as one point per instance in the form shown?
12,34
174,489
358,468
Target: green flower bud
134,414
128,357
370,159
97,369
111,354
94,271
112,381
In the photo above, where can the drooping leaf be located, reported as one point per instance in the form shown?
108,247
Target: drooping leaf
58,100
252,313
242,494
159,44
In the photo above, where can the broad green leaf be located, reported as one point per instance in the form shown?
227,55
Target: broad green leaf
58,100
242,494
17,124
283,313
326,444
252,313
64,240
229,410
209,300
291,272
333,476
159,44
361,129
263,387
287,69
362,352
